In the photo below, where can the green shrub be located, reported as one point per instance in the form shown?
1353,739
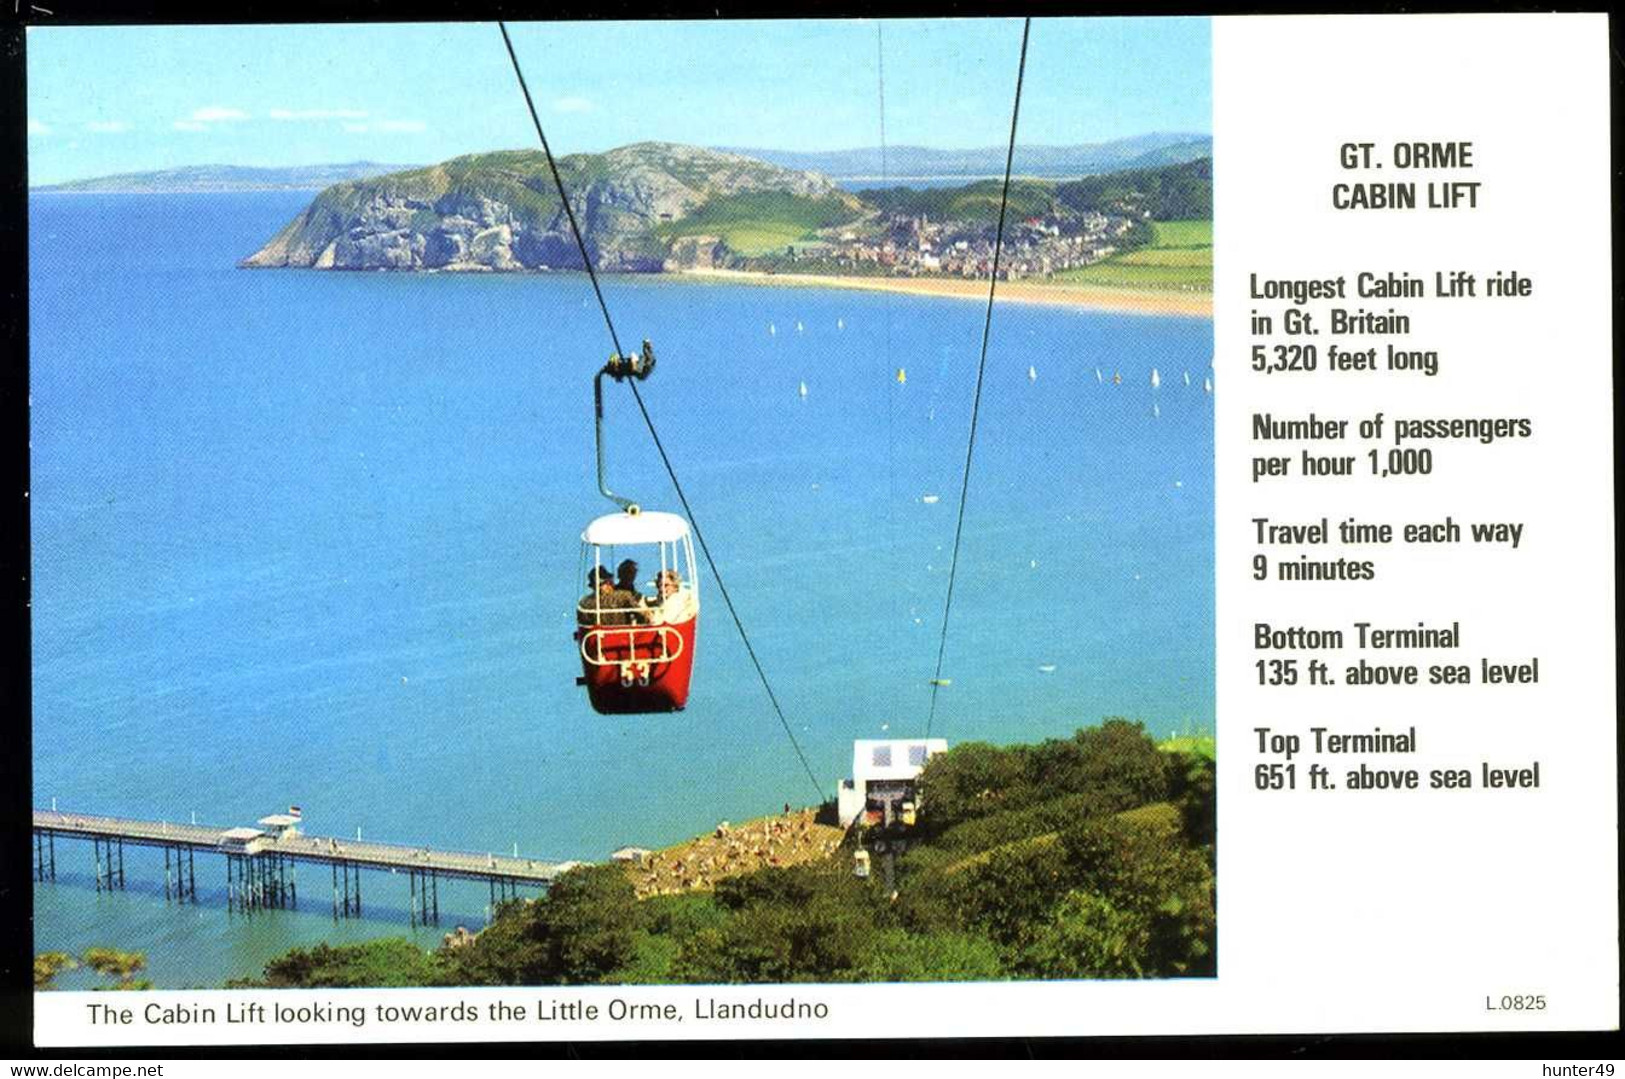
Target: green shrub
1087,937
1140,863
389,962
897,955
971,780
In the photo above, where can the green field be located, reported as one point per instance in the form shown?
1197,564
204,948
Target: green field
758,223
1200,745
1179,258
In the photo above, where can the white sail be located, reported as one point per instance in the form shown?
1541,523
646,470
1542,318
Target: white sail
1032,374
1187,378
1207,385
803,390
1156,379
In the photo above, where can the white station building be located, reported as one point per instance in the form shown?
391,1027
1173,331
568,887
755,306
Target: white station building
883,775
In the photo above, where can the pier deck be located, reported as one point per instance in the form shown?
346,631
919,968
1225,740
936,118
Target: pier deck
307,848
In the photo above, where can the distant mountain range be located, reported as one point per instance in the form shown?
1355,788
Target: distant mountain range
198,178
1052,162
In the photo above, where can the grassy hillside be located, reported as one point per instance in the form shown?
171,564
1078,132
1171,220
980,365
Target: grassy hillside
1179,257
1082,857
759,222
975,202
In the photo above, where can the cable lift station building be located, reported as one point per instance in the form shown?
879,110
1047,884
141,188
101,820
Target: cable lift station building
884,776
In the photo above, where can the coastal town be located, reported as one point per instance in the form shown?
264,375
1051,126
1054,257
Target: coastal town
915,245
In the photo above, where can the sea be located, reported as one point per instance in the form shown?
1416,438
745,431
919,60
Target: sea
312,539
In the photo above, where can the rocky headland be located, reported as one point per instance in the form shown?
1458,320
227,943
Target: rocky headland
501,211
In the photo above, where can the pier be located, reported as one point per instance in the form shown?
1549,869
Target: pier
262,867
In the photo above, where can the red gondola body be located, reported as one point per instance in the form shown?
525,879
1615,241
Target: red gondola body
637,648
638,668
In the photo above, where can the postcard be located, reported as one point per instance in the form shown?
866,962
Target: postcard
820,528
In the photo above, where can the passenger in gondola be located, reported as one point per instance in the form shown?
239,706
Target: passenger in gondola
598,606
672,604
627,596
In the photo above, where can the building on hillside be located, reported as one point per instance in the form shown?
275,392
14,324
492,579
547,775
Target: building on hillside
882,787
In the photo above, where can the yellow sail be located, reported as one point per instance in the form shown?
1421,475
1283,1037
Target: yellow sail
902,376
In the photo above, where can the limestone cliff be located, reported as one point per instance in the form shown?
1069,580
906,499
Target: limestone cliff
500,211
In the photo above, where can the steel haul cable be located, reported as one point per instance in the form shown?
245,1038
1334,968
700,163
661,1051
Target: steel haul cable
981,369
586,261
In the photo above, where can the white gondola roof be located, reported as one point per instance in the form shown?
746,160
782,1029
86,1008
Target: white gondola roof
650,526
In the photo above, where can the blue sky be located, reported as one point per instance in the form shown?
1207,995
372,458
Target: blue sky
121,99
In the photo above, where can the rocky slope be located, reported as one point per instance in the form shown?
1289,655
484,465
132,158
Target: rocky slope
500,211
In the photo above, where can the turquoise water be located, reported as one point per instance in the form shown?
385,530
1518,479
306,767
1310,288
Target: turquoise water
311,538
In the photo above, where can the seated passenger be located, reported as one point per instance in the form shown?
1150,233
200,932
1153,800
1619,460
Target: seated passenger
628,597
674,603
600,606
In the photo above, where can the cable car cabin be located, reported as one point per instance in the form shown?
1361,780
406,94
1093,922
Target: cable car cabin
636,624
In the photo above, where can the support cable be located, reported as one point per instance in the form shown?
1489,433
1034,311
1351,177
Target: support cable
981,369
688,511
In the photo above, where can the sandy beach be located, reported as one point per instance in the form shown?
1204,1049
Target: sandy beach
1097,297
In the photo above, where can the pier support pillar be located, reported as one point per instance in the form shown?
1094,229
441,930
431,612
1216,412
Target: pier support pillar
425,897
44,856
346,890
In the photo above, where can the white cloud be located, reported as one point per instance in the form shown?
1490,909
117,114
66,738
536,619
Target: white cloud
107,127
189,125
402,125
572,104
318,114
214,113
37,128
357,129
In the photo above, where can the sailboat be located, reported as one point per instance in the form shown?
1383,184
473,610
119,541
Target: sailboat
1187,378
798,327
803,391
840,324
902,377
1156,379
1207,385
772,330
1097,376
1032,374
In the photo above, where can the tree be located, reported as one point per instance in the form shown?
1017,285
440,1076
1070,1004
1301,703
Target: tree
1119,757
970,780
390,962
801,923
500,954
47,965
1004,892
584,929
1088,937
1139,862
900,956
1191,789
123,966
